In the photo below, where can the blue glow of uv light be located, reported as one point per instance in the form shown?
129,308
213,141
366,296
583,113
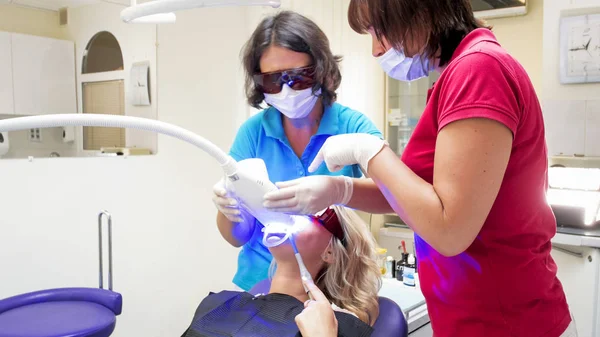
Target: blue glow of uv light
300,223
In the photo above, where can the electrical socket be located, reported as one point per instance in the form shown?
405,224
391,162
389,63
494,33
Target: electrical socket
35,135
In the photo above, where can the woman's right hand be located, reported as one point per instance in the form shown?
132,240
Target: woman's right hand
227,205
317,319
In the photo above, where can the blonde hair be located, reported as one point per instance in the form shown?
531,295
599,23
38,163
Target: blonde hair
352,281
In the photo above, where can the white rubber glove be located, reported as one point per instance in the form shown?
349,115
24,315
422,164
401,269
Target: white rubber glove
309,195
224,202
347,149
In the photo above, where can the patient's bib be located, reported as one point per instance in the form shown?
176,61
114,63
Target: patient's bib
241,314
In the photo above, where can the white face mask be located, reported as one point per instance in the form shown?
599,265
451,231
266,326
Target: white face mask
292,103
403,68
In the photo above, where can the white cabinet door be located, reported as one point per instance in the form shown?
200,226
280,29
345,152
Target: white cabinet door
44,75
580,280
6,77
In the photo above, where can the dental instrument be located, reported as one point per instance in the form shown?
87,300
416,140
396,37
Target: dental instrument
248,179
161,11
304,274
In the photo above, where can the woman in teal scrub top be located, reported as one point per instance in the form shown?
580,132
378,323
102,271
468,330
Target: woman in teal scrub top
290,67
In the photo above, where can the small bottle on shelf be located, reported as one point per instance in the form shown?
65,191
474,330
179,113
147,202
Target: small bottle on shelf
399,270
381,259
389,267
408,278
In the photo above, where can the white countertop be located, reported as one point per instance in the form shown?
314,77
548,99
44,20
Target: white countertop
406,297
559,238
576,240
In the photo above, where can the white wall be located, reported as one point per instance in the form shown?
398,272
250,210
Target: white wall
138,43
527,48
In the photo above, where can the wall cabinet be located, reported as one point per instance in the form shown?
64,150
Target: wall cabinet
6,78
43,72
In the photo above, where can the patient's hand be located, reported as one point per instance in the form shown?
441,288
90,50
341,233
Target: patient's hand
317,318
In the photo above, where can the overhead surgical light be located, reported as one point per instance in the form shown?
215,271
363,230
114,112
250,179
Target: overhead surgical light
162,11
156,18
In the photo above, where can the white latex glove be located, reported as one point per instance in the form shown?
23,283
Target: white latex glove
347,149
224,202
309,195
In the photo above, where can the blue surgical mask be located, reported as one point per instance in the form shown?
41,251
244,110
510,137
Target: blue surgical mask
402,68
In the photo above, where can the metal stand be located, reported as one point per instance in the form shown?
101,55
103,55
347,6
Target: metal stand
110,279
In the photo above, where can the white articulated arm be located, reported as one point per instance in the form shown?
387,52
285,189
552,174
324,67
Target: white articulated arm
249,182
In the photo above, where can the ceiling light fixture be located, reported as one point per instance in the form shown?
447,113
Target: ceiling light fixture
162,11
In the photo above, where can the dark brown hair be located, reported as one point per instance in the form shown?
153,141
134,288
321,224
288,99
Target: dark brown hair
444,22
295,32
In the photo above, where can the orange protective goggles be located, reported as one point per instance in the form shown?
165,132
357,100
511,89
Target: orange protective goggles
297,79
331,222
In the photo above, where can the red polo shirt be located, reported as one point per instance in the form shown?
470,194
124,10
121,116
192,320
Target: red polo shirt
505,283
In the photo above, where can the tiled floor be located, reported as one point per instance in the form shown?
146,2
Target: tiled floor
424,331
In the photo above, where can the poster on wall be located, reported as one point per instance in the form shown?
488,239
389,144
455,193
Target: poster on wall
580,49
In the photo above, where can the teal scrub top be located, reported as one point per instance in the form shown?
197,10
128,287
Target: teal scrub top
262,136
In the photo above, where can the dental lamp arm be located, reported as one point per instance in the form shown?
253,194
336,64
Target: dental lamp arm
248,185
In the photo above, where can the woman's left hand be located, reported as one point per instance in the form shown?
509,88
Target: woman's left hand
317,319
347,149
309,195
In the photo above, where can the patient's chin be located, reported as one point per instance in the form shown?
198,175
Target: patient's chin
283,252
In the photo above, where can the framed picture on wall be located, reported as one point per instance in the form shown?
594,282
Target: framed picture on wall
580,49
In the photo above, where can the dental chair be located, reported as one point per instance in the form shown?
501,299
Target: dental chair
65,312
390,323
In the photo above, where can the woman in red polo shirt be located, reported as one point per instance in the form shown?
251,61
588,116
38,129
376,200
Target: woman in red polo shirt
472,179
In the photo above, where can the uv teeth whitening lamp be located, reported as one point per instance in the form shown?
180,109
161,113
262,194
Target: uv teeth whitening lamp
248,179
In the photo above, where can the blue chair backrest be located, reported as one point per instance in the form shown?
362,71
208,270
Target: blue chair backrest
390,323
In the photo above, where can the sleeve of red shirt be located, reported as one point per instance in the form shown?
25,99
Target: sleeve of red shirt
479,86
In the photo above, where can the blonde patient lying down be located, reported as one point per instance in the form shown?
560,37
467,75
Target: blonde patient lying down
341,258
